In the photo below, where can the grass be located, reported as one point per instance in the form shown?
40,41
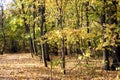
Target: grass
23,67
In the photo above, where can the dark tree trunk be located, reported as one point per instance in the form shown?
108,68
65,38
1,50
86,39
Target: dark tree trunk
60,22
46,51
87,20
77,14
116,57
112,15
14,46
66,52
28,33
81,19
106,65
23,45
62,41
63,56
34,42
3,33
33,27
78,51
55,50
105,52
27,29
42,25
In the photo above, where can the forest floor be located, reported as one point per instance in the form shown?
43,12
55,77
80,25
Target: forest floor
22,66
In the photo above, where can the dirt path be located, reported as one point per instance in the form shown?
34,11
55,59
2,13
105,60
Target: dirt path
22,67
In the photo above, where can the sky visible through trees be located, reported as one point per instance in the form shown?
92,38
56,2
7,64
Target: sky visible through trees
6,3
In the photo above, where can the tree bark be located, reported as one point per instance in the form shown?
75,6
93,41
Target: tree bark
112,15
87,20
42,25
77,13
62,40
3,32
55,49
27,29
33,28
105,52
60,22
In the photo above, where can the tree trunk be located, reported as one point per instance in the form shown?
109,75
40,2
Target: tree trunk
77,14
112,15
81,16
115,56
106,65
14,46
46,51
27,29
23,45
28,33
62,40
60,22
34,42
3,33
68,48
105,52
42,25
33,27
55,50
87,21
63,56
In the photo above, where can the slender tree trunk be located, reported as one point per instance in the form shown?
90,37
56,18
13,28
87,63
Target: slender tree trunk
105,52
3,33
68,49
55,50
77,8
46,47
77,13
14,45
34,38
27,28
62,41
81,16
34,42
46,52
60,22
23,45
78,48
42,25
87,20
63,56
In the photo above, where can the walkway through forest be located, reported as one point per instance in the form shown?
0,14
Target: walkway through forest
22,66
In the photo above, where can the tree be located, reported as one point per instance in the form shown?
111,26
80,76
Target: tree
105,52
33,28
60,4
2,27
112,15
110,34
87,20
42,32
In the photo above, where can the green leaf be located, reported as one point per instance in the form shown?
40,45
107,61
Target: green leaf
14,28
